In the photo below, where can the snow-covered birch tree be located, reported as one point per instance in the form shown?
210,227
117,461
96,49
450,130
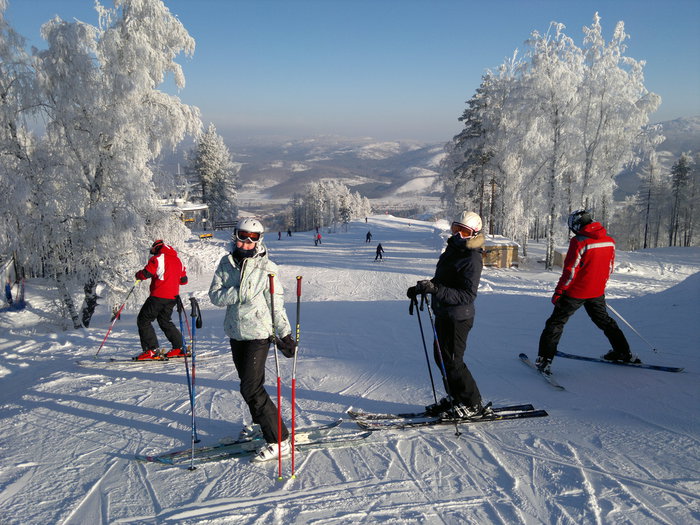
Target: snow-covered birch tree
557,125
18,198
327,203
614,107
106,123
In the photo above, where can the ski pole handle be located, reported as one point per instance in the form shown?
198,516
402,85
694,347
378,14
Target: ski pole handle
298,306
196,312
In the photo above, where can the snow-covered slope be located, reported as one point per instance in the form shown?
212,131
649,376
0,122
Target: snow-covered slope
620,445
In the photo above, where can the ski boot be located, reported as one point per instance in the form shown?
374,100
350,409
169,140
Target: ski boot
544,365
272,451
149,355
622,357
462,411
438,408
250,432
177,352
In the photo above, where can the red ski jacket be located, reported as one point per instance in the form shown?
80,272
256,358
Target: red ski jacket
588,264
166,272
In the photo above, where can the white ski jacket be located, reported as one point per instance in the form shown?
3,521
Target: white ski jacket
245,292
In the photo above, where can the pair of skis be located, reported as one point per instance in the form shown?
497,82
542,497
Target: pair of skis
314,437
552,381
382,421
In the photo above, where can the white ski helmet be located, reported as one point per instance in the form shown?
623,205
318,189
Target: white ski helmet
248,225
468,222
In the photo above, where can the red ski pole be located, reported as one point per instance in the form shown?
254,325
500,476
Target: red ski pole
116,316
294,374
279,379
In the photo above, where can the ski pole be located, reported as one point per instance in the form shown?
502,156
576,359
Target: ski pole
196,323
279,378
180,309
632,327
117,315
294,372
442,364
414,301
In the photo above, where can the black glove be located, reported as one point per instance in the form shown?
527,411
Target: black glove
424,287
286,345
411,293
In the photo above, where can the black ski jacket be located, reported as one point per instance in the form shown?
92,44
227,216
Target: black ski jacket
457,276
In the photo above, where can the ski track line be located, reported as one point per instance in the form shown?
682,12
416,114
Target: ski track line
651,508
601,471
145,479
273,498
594,504
410,474
484,479
496,452
93,490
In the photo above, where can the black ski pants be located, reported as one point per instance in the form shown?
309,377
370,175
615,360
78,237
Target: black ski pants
596,310
452,341
157,308
249,358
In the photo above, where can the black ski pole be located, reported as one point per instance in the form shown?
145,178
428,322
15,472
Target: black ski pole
180,309
196,323
414,302
442,364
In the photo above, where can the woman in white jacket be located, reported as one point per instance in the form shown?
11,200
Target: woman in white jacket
241,284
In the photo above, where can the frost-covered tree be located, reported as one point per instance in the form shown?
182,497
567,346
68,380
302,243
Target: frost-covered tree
548,132
106,122
216,174
551,80
18,195
328,203
614,106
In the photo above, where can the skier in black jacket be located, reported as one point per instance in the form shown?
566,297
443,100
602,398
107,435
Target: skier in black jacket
454,288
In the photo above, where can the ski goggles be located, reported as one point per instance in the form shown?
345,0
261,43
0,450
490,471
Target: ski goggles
464,231
244,236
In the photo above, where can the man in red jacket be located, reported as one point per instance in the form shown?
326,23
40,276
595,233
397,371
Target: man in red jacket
167,273
587,267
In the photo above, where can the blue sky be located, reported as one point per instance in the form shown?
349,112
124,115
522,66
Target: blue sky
389,69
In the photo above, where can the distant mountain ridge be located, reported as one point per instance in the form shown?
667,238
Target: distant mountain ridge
681,135
375,169
281,167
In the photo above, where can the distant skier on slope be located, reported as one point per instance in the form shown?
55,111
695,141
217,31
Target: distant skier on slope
167,273
380,251
241,284
587,267
454,289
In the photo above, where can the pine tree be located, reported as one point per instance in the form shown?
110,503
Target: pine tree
216,174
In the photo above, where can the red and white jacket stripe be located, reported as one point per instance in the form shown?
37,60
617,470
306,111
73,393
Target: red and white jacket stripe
588,264
166,272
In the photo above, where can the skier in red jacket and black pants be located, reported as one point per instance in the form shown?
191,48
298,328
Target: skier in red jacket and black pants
167,273
587,267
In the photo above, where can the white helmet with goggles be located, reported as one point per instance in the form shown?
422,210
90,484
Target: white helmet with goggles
468,225
248,229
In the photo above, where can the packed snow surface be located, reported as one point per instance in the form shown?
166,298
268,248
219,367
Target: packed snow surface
620,445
